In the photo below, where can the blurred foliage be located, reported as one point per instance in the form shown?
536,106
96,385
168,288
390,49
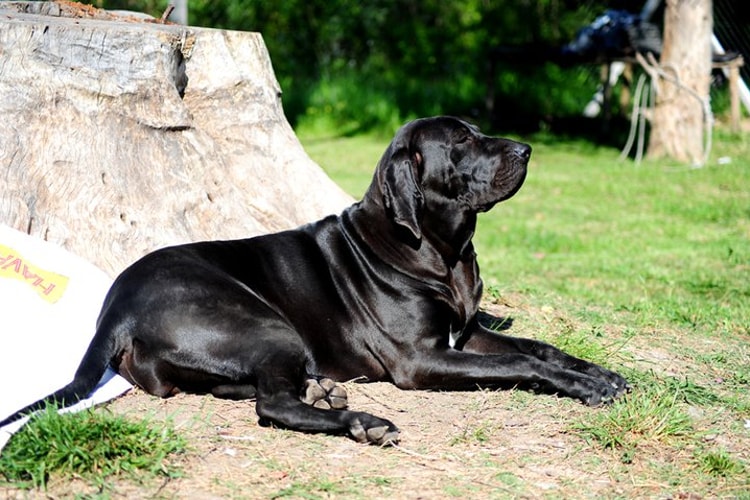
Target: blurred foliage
370,65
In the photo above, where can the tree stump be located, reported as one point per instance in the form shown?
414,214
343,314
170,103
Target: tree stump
119,136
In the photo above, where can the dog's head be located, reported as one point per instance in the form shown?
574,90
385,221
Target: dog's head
443,171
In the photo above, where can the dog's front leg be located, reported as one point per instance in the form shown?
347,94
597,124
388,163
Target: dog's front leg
457,370
480,340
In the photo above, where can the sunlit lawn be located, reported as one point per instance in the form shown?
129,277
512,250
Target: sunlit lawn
668,243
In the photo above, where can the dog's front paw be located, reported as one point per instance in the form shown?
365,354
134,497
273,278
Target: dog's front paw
374,430
619,383
615,380
596,392
324,394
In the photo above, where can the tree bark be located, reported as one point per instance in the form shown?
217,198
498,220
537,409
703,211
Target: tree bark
679,116
120,137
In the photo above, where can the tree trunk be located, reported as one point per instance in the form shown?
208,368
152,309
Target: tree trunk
679,117
118,136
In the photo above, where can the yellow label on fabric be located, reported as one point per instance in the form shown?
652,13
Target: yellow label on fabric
50,286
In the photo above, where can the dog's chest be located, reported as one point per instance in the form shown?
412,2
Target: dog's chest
465,290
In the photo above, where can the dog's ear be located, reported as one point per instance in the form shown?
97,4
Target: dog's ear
402,196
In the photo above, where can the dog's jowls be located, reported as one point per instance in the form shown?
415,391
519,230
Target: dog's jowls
386,291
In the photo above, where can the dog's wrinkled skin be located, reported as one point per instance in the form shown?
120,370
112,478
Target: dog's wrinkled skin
388,290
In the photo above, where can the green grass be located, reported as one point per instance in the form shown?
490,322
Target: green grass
668,245
719,463
655,414
353,169
91,445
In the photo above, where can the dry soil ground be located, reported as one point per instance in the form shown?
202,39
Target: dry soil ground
481,444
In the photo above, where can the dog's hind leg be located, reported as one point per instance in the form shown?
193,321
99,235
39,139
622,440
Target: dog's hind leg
278,403
234,391
285,410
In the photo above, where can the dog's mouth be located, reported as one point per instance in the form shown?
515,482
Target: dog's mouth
511,182
509,178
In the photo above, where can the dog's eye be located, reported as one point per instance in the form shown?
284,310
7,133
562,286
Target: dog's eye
464,138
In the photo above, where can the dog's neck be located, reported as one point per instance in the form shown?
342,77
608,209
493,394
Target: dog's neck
442,246
443,258
450,232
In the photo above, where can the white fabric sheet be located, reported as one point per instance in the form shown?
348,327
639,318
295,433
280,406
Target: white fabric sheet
49,302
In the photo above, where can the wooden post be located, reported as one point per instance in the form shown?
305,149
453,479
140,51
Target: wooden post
734,93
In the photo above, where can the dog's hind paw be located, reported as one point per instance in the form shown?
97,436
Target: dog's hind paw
383,435
324,393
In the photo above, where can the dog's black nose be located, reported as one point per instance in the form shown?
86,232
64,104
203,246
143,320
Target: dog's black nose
523,151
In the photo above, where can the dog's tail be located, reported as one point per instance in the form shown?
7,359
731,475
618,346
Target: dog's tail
93,365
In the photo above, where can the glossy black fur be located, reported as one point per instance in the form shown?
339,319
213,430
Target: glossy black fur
388,290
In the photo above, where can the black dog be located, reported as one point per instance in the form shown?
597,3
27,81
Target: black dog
388,291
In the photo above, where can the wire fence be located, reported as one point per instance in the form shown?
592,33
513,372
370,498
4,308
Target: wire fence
732,28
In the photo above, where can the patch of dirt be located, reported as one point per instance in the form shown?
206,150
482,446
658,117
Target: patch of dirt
480,444
452,444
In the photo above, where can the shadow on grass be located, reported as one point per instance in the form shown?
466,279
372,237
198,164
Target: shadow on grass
494,323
